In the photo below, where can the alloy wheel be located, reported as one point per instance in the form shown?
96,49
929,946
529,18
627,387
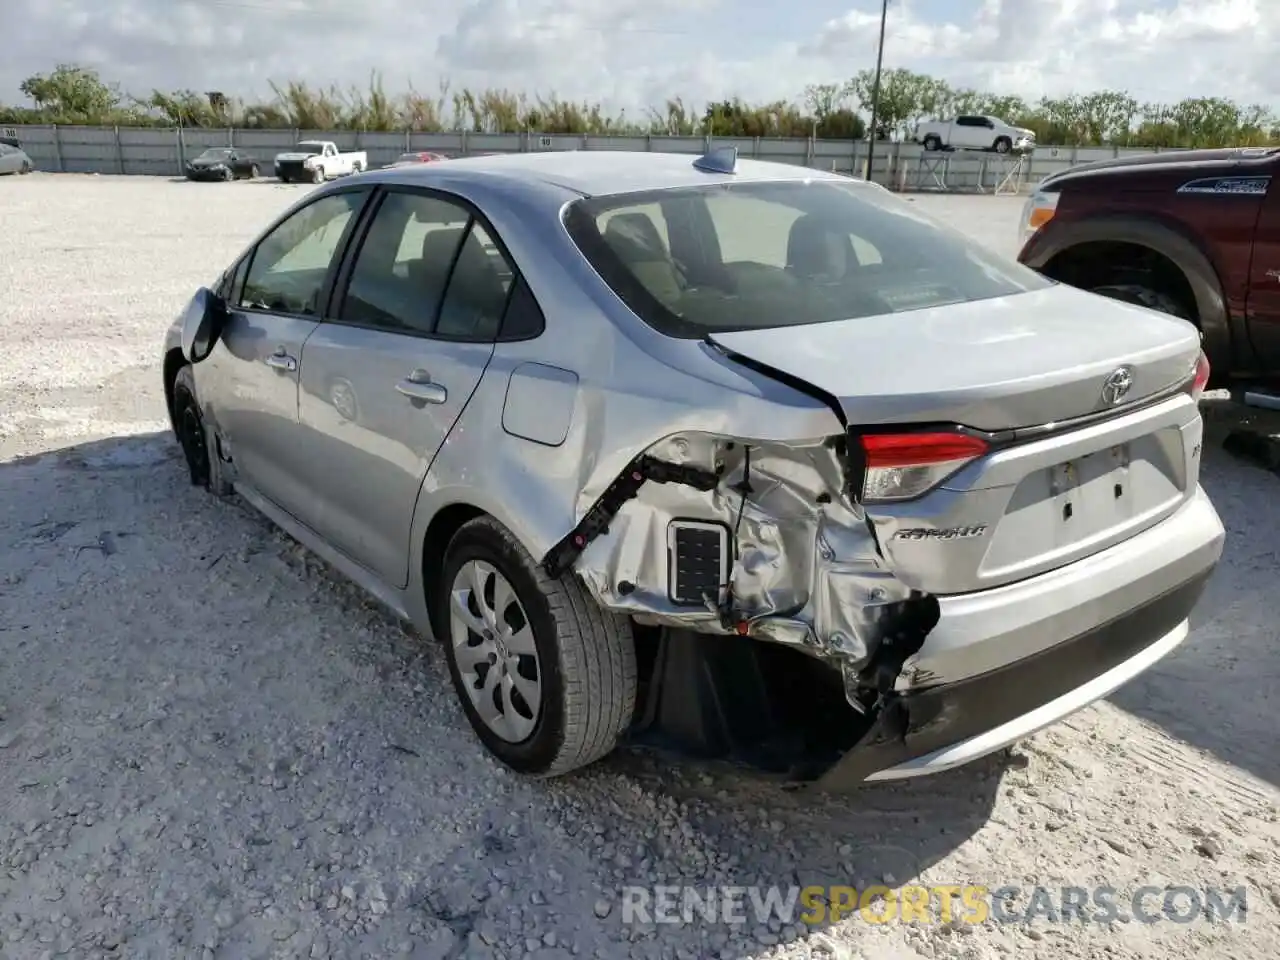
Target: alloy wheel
494,650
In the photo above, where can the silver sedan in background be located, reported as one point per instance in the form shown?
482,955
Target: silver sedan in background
14,159
746,459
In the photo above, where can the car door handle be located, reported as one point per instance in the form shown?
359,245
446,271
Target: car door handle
421,389
282,361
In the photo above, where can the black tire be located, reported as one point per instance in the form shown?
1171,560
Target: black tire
253,172
26,168
317,175
199,445
1144,296
1003,145
283,178
932,143
228,175
587,657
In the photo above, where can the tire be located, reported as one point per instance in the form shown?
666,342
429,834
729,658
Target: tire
585,656
357,167
1003,145
253,172
317,175
283,178
932,143
228,175
25,169
1144,296
199,445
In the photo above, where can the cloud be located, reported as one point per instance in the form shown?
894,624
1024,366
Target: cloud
636,53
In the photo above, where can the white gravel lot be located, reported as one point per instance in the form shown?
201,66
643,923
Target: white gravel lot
212,746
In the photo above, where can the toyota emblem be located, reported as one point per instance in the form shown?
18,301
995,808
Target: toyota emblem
1117,386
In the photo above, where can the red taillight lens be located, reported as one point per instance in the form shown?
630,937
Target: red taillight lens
900,466
1202,376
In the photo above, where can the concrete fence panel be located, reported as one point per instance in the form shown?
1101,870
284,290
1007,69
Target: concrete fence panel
158,151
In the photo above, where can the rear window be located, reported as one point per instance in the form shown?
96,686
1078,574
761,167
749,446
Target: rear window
694,261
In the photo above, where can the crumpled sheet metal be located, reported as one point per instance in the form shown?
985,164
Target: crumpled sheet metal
807,572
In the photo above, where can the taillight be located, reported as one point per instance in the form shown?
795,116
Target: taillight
1202,376
900,466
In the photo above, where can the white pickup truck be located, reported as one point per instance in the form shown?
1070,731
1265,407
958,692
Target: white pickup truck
316,161
971,132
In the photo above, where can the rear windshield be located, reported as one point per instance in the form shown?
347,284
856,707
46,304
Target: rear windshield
706,259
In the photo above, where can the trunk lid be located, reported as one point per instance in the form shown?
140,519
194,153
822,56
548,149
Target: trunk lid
999,364
1033,502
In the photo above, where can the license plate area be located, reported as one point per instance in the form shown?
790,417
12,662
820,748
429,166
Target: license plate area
1094,493
1065,511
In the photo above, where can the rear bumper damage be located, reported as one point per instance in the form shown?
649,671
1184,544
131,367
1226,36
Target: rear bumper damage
756,540
718,542
950,725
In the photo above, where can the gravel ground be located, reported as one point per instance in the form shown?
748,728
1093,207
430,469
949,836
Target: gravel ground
212,746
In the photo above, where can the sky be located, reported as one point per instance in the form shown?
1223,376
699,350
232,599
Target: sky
635,53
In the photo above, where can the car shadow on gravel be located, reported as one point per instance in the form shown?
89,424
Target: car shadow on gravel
1220,691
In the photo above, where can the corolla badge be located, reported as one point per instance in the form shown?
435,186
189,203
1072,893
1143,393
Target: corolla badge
1117,385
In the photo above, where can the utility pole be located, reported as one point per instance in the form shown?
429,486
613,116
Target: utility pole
875,91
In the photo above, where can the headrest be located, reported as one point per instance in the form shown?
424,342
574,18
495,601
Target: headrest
439,245
634,236
815,249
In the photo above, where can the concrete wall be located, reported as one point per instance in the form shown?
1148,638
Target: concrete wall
905,166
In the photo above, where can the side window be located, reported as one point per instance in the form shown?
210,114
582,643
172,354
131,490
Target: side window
478,287
288,269
400,272
523,319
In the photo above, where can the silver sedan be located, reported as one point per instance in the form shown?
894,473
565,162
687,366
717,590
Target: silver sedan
745,459
14,160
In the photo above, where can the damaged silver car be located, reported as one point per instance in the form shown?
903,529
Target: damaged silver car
737,459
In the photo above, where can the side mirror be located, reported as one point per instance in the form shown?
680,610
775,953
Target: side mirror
202,324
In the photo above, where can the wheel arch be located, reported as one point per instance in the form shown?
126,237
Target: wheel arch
1171,242
173,362
435,540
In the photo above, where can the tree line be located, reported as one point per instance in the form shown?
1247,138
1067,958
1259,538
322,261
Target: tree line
74,94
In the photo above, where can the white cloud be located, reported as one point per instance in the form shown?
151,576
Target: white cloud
635,53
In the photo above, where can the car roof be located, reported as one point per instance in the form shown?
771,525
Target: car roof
598,172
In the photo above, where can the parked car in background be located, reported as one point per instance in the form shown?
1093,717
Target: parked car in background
971,132
838,486
222,163
1195,234
14,160
409,159
315,161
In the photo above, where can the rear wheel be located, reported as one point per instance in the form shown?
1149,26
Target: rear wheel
26,167
199,445
228,174
547,679
253,172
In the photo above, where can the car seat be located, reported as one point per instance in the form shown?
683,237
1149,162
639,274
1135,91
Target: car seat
635,239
